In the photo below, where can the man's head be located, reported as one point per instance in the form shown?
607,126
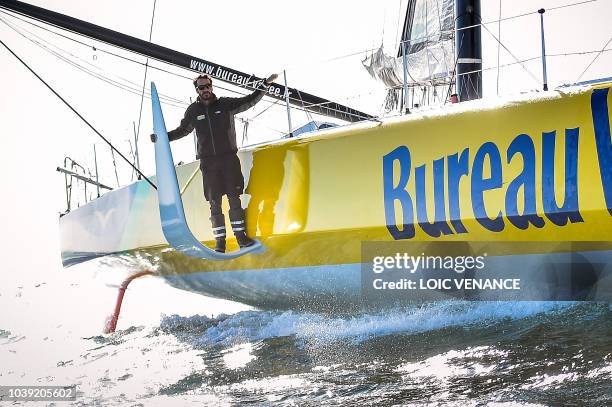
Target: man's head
203,86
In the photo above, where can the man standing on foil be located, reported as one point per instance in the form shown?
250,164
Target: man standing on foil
213,120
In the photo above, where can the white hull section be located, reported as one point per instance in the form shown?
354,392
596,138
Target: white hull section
339,287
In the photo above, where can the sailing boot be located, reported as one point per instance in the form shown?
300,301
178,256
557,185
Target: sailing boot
218,229
238,226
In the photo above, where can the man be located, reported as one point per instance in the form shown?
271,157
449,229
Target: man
213,120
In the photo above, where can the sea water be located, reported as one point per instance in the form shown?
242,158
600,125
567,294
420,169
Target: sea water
178,348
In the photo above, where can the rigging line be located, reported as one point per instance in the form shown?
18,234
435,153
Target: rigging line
161,69
288,68
463,28
296,100
469,78
510,52
272,104
450,85
331,109
132,60
162,96
593,61
440,23
141,63
91,46
127,81
503,19
275,130
80,42
316,105
360,95
503,66
276,101
571,4
578,53
265,110
498,46
528,14
247,120
115,167
399,15
76,112
138,62
144,84
110,81
17,16
101,77
308,115
84,69
131,155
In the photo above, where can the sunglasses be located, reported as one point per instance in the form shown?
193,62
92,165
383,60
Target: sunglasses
202,87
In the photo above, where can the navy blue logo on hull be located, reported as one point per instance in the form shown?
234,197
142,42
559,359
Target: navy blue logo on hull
449,171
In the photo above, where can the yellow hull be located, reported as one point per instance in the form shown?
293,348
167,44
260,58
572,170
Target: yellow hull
528,169
310,197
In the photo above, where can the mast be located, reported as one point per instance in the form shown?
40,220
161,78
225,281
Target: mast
304,100
468,47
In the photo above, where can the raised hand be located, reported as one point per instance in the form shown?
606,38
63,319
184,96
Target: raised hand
271,78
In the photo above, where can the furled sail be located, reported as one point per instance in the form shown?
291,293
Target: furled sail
429,37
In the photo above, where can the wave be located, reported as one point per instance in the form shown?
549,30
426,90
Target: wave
249,326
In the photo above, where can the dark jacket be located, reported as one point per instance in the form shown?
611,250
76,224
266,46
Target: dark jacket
214,124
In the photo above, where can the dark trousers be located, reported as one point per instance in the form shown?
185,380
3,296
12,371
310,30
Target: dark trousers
222,176
215,204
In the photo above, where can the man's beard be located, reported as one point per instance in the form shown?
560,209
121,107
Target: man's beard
208,98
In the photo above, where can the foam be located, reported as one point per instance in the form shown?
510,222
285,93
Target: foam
250,326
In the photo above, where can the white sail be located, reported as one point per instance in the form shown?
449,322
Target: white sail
429,42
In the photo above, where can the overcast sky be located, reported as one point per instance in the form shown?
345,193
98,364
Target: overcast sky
254,37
